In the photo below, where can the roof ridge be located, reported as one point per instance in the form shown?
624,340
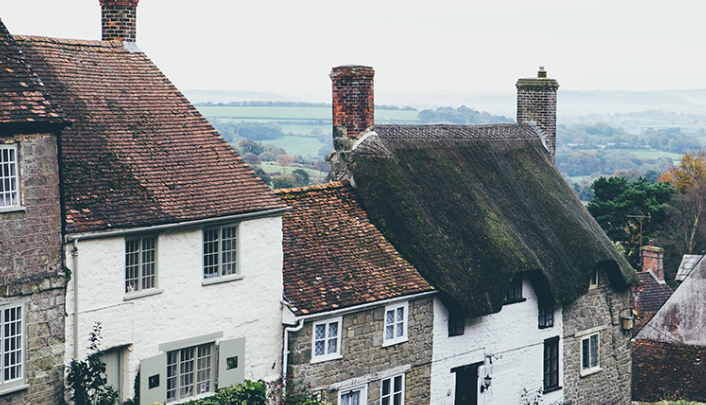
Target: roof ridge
314,187
70,41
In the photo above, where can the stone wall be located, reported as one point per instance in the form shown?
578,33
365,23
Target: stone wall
536,102
364,359
599,308
31,270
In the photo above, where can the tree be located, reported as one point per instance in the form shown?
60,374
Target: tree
284,161
250,146
301,176
284,181
87,378
263,175
619,207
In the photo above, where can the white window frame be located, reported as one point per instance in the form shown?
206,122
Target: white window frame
195,367
214,271
17,339
10,177
141,265
398,327
328,355
389,398
363,389
593,352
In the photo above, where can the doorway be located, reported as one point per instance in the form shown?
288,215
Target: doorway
466,384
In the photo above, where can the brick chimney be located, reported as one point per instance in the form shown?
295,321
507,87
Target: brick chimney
536,103
652,258
119,20
353,112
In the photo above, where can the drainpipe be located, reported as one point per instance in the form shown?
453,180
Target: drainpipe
286,349
74,255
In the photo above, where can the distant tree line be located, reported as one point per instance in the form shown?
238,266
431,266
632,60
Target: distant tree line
294,104
604,136
232,131
461,115
606,162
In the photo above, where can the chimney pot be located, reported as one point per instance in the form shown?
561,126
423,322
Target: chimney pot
542,74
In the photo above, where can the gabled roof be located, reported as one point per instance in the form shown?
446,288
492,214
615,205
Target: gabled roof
24,103
138,153
334,257
470,206
647,297
682,319
687,263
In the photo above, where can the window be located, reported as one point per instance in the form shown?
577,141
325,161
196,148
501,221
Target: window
12,338
9,177
457,324
219,251
392,391
190,372
590,354
546,313
395,324
551,364
514,293
593,283
353,396
140,264
326,344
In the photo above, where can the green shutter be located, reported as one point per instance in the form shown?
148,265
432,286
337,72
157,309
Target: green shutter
153,372
231,362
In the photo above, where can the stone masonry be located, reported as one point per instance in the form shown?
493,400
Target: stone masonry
31,269
119,20
364,356
600,307
536,103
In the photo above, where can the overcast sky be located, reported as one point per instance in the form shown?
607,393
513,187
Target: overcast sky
286,46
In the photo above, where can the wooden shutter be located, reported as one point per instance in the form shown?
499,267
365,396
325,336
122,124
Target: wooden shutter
153,379
231,362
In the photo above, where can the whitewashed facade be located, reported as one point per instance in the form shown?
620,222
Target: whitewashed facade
507,346
184,309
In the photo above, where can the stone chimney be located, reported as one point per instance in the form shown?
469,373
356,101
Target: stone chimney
353,113
536,104
119,20
652,258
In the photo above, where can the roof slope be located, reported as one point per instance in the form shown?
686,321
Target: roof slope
647,297
682,318
662,370
334,257
687,263
23,98
470,206
138,153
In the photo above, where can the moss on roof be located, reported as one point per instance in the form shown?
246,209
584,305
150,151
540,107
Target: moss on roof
471,206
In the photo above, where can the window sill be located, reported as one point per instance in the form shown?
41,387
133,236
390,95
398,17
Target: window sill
224,279
551,389
590,371
393,342
546,326
17,208
143,293
322,359
14,389
514,301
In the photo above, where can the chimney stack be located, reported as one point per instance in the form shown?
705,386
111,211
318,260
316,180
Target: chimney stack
536,104
353,112
119,20
652,258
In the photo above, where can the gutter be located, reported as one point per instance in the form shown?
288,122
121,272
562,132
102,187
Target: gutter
277,212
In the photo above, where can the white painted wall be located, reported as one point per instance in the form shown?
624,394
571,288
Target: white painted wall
512,338
247,308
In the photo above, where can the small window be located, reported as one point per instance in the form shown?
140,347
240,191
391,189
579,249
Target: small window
590,354
514,293
593,283
219,251
551,364
12,339
395,324
392,391
457,324
140,264
546,313
190,372
326,344
9,177
353,396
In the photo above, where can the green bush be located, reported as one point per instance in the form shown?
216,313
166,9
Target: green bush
247,393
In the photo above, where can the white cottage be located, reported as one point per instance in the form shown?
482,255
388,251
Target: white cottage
173,243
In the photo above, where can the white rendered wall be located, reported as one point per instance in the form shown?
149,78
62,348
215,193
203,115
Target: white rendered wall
248,308
513,339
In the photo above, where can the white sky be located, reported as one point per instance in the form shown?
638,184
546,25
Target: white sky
286,46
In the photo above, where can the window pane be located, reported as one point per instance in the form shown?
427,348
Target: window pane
12,344
332,345
203,375
333,329
398,383
386,387
228,243
210,253
585,354
355,398
186,373
594,351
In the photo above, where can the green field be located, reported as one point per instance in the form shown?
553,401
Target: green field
315,176
263,114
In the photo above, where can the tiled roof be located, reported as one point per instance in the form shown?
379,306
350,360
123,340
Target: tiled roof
663,370
334,257
23,99
687,264
647,297
138,153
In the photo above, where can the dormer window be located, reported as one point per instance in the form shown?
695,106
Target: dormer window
514,293
593,283
546,313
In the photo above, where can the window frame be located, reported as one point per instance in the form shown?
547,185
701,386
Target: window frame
194,372
396,336
391,395
363,389
546,313
456,324
218,276
594,352
13,149
593,281
514,291
551,365
140,280
327,356
19,382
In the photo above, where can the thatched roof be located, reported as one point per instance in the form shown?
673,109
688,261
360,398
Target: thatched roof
471,206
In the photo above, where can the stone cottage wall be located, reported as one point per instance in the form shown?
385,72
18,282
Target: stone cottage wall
31,269
365,359
600,307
